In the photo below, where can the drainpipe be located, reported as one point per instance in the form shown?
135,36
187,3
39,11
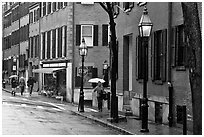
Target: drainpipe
170,86
73,52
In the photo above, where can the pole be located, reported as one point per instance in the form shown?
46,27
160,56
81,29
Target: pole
81,97
184,118
144,105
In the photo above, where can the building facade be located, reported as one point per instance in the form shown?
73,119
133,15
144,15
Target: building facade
167,61
15,38
92,24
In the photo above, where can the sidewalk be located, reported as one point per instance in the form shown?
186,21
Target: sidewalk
132,126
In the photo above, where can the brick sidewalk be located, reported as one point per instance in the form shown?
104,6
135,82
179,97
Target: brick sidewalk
131,126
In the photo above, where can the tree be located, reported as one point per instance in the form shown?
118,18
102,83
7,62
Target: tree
108,7
193,32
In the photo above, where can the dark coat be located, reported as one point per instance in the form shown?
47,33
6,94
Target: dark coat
14,83
31,82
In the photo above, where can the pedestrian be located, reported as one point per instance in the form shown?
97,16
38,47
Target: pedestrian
30,84
99,89
14,84
22,85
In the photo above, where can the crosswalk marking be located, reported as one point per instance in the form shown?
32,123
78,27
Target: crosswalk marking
31,106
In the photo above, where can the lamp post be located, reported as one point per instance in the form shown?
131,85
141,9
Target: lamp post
82,52
145,27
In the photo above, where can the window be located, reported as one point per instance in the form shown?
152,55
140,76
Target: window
31,47
54,6
59,42
48,44
49,8
60,5
65,40
127,6
35,15
44,8
54,43
36,45
179,48
159,46
31,17
87,34
65,4
43,45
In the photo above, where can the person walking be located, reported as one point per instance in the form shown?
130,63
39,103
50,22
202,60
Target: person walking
30,84
22,85
99,89
14,84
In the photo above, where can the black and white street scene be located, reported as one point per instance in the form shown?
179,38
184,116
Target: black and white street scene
101,68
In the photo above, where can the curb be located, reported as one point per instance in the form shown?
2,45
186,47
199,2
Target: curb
6,90
105,123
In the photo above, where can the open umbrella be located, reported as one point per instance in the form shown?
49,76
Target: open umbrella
96,80
13,76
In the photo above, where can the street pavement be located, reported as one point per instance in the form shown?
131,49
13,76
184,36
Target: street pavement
131,126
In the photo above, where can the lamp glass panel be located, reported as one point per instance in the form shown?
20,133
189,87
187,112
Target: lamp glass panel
146,30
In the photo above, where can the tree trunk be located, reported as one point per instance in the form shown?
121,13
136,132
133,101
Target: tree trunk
193,31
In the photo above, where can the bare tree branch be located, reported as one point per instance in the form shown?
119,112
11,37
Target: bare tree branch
104,7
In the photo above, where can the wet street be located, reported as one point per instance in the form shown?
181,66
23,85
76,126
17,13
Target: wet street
25,116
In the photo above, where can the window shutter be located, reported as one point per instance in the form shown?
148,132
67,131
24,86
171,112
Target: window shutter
136,58
78,35
95,36
152,56
176,45
104,35
173,47
65,43
164,47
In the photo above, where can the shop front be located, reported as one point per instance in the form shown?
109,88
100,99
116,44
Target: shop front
55,79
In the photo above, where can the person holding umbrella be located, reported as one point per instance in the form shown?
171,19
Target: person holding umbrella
99,89
14,84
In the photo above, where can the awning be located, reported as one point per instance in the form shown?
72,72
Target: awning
46,70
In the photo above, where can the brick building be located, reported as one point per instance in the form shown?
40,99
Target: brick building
15,38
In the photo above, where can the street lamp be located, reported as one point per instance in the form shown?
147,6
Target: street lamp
82,52
145,28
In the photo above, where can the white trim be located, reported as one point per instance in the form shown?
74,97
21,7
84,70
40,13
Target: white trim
63,40
34,46
51,44
45,45
41,45
56,50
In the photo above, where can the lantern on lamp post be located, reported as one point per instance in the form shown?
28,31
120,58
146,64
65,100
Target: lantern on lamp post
145,28
83,50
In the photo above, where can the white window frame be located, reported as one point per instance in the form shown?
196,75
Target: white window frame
92,26
87,3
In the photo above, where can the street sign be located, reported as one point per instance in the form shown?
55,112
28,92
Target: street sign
80,70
